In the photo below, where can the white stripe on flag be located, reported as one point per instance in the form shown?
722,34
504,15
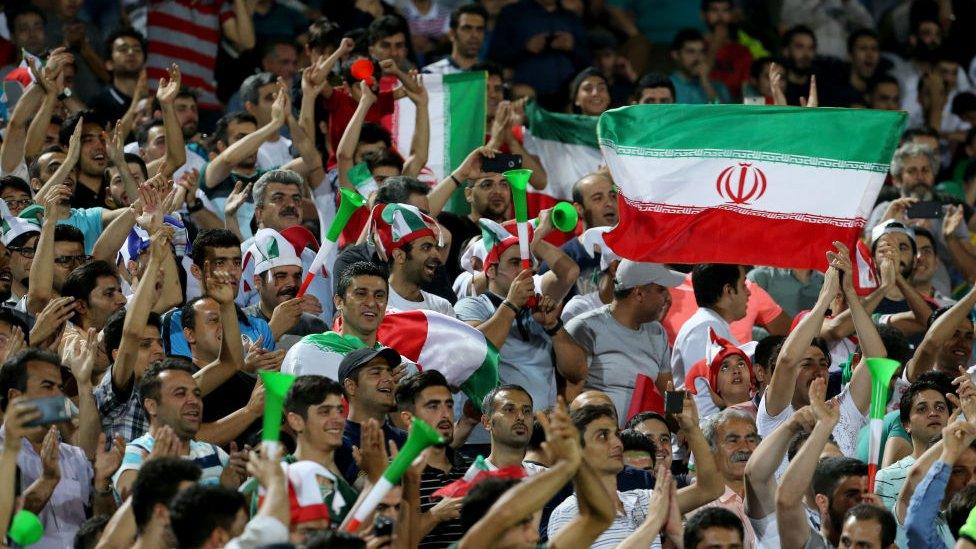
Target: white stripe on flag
565,163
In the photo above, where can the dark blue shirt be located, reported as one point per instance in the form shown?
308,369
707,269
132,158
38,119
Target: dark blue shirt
351,436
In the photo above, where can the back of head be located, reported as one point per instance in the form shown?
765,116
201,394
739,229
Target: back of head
157,483
710,517
199,510
398,190
709,281
479,499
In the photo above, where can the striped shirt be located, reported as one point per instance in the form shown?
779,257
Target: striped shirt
624,524
431,480
209,457
186,32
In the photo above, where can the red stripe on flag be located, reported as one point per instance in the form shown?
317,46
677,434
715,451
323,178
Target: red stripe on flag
186,26
404,331
721,236
181,53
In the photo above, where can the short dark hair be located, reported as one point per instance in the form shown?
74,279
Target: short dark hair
251,86
150,385
112,330
68,233
709,280
585,415
758,64
137,160
964,102
959,508
831,471
68,127
386,26
493,69
82,281
797,30
469,9
34,170
14,182
142,132
212,238
710,517
796,442
398,189
157,483
334,539
765,349
91,530
867,511
632,440
644,416
895,343
684,36
323,33
933,380
199,510
220,131
124,32
360,268
13,373
374,133
588,72
20,11
481,498
879,79
653,80
188,319
269,45
309,391
863,32
384,158
488,403
411,386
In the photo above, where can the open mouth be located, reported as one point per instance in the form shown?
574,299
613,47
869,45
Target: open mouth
369,315
520,429
192,415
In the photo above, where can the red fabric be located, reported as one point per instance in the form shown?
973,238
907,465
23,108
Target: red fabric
863,267
459,488
555,237
646,397
341,107
732,64
354,227
300,238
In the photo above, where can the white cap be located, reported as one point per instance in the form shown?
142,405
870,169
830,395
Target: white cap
631,274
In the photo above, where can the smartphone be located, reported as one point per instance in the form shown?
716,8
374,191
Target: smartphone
674,402
53,410
382,526
501,163
925,210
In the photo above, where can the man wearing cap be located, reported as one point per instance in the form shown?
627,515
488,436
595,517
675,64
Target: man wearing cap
626,338
277,277
367,377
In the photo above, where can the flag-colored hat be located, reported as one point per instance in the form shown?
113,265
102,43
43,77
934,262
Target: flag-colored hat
717,349
496,239
25,223
269,250
395,225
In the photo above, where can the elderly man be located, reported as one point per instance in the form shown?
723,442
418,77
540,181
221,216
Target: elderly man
913,170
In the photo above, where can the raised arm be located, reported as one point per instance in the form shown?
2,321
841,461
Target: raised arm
779,393
794,530
938,335
708,485
310,157
41,278
563,271
128,119
239,30
657,512
220,168
13,148
37,131
219,286
175,147
420,144
497,327
346,150
760,479
469,170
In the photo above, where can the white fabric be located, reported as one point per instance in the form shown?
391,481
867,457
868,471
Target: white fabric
431,302
260,531
635,504
274,154
690,343
579,304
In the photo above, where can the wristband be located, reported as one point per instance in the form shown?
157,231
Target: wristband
555,329
511,306
457,181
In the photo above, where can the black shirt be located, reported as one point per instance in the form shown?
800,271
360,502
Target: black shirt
111,103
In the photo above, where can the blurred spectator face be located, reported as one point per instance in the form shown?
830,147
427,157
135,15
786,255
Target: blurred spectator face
155,146
186,113
389,506
382,173
127,57
469,36
180,405
150,346
52,135
28,32
928,36
963,473
392,47
734,385
949,70
94,156
865,56
43,380
489,196
718,13
593,97
511,420
282,61
917,171
717,537
925,260
144,112
262,110
70,8
278,284
736,440
955,352
928,416
886,97
849,492
207,333
496,92
117,188
863,534
800,52
363,306
690,57
660,435
235,132
599,201
21,259
603,449
656,96
282,207
16,200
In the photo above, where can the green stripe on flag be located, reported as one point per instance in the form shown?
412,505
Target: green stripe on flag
484,379
577,129
465,103
844,138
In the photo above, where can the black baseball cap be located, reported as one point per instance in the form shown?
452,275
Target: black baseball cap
361,357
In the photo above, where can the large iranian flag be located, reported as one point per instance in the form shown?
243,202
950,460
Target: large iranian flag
744,184
439,342
566,145
456,108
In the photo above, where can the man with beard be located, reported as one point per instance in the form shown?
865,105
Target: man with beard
277,277
626,338
902,306
174,406
426,395
412,242
691,76
864,50
467,35
839,483
799,53
507,416
732,436
127,56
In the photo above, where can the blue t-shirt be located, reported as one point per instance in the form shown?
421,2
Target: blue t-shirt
176,344
89,222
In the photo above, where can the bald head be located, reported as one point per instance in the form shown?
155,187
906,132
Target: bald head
596,197
590,398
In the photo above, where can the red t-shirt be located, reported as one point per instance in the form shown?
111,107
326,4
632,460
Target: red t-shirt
341,107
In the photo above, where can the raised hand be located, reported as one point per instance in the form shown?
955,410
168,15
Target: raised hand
688,418
51,455
169,87
521,289
417,92
266,468
824,410
115,144
953,220
281,108
50,321
218,285
776,84
235,472
366,95
562,438
957,436
371,455
74,143
811,100
841,261
237,198
20,412
152,213
108,460
82,360
546,312
15,344
165,443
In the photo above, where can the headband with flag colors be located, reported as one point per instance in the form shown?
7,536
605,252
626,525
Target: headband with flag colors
496,239
14,226
395,225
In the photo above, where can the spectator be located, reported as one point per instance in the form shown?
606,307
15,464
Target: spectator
157,483
732,436
730,61
654,88
691,79
467,35
714,527
126,58
800,55
831,22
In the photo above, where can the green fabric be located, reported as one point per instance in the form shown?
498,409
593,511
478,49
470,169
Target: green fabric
892,427
578,129
951,188
466,106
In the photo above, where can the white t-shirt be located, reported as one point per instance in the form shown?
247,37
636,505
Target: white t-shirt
635,512
431,302
274,154
689,345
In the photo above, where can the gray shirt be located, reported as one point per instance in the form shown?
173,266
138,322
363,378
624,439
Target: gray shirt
616,354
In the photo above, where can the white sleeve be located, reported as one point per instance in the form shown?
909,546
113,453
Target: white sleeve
260,531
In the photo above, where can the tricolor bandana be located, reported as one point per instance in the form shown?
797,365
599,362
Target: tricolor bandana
496,239
461,487
25,223
269,250
394,225
717,349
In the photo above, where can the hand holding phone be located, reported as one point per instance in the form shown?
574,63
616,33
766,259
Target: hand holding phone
925,210
674,402
501,163
57,409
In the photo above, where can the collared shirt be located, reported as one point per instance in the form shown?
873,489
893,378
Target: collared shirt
65,511
120,408
431,480
734,502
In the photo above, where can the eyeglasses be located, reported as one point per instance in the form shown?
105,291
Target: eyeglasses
25,251
22,203
72,259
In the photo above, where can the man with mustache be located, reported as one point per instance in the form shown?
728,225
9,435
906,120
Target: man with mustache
412,243
277,278
733,438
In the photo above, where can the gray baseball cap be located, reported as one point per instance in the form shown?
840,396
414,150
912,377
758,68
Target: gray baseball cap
631,274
